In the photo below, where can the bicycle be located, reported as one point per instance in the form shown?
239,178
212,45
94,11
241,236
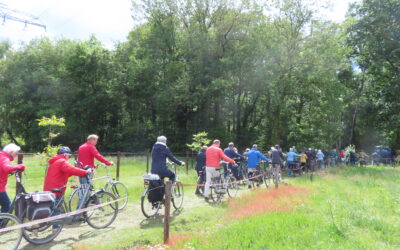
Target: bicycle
260,176
275,171
155,186
12,238
220,185
119,190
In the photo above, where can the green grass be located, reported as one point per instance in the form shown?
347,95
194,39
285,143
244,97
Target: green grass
349,208
346,208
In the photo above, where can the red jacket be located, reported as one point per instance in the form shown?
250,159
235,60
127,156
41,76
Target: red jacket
6,169
58,173
86,154
214,155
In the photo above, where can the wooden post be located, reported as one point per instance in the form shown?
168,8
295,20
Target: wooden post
147,162
20,161
167,204
191,160
187,162
118,163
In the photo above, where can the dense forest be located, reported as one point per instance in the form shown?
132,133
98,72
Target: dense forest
247,71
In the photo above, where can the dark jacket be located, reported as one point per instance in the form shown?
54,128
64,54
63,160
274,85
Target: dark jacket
159,156
201,160
276,156
232,154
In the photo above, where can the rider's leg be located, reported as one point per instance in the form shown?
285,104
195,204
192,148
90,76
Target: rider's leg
5,202
210,172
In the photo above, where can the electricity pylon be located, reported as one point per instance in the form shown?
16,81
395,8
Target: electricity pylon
7,13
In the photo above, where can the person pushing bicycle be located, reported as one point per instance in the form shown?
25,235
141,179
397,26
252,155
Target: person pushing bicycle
58,173
214,155
254,157
159,155
8,154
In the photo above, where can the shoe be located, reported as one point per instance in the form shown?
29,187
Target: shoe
249,186
206,199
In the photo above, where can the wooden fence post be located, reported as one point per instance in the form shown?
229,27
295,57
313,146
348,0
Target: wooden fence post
20,161
187,162
118,163
167,204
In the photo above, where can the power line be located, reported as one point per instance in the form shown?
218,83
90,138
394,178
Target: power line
7,13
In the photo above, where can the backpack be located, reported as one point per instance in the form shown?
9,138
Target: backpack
156,192
39,205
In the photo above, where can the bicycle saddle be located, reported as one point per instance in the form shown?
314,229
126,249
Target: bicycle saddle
58,190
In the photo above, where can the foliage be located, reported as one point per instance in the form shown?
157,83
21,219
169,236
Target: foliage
270,72
199,140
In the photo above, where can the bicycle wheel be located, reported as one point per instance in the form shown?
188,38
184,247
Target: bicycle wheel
43,233
149,209
276,177
200,181
266,178
177,195
74,200
216,191
103,216
232,186
120,191
10,239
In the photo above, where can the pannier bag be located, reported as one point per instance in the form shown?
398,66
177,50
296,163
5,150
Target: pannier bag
39,204
156,192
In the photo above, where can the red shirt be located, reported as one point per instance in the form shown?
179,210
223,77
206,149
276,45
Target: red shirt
6,169
58,173
214,155
86,154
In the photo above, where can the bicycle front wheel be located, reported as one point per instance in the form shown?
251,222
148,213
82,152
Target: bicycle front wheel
232,186
120,191
12,238
103,216
177,195
216,191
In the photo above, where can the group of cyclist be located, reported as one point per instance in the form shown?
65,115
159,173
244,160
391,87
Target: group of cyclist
58,171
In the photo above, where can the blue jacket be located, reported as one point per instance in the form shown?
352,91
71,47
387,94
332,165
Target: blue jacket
253,158
232,154
159,156
201,160
320,156
291,156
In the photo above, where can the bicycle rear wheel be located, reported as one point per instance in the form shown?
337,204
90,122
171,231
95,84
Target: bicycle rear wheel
149,209
215,191
177,195
103,216
120,191
10,239
42,233
232,186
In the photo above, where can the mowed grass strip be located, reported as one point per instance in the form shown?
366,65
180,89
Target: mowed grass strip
346,208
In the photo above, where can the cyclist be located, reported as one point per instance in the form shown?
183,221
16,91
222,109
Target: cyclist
232,153
276,156
320,159
8,154
291,158
58,173
201,166
88,152
214,155
332,157
253,160
303,161
159,155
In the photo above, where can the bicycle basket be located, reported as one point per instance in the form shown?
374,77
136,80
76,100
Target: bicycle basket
39,204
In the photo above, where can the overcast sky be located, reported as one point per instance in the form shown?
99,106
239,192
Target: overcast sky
109,20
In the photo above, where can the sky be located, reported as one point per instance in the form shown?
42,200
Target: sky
109,20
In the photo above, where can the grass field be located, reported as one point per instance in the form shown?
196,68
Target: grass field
341,208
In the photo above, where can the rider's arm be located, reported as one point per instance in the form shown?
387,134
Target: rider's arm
263,157
6,167
172,157
99,157
72,171
226,158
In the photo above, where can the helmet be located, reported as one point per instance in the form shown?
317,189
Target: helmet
64,150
